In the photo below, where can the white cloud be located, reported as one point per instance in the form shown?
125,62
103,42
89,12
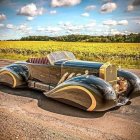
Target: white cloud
115,32
69,27
30,18
130,8
1,25
2,17
123,22
50,29
74,28
64,24
108,7
137,22
40,29
53,30
24,28
114,22
127,32
85,14
90,7
110,22
59,3
10,26
90,25
53,12
30,10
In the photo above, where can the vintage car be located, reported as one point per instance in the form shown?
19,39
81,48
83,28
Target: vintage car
91,86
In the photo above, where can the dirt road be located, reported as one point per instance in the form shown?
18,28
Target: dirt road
28,114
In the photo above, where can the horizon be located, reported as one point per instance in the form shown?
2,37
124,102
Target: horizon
65,17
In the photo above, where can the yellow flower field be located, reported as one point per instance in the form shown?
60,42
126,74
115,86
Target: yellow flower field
123,54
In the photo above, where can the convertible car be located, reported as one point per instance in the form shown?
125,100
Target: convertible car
91,86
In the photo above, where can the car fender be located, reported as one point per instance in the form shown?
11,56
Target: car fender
134,81
87,92
14,75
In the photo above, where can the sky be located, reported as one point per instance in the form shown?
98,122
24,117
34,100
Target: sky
20,18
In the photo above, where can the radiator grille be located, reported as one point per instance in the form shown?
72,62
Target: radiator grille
108,72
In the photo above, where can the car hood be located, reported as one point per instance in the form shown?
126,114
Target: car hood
79,63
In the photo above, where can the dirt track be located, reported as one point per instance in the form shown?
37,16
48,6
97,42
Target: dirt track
28,114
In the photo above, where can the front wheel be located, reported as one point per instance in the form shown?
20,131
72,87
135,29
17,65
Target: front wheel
132,86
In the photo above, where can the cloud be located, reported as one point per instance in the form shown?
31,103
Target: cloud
30,10
90,25
90,7
115,32
53,12
70,28
85,14
49,29
10,26
1,25
2,17
110,22
24,28
137,22
30,18
108,7
114,22
122,22
40,29
130,8
53,30
60,3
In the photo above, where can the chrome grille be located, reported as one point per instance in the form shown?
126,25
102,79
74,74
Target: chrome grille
108,72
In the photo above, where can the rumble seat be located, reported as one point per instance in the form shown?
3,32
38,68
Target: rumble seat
43,60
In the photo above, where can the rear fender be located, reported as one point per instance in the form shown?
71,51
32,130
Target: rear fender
14,75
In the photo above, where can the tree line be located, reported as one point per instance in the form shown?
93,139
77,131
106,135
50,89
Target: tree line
132,38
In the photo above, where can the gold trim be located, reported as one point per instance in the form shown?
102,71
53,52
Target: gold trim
113,80
14,79
102,70
63,78
93,100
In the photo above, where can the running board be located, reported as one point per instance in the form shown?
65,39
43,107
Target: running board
39,86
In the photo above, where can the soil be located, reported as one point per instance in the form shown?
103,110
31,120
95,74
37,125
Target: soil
27,114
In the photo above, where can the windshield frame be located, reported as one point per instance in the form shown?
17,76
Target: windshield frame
59,56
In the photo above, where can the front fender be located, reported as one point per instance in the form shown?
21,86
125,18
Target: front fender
134,81
87,92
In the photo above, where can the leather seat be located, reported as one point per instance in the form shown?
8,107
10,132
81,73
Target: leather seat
43,60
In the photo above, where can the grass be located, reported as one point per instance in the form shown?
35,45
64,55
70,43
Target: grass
126,55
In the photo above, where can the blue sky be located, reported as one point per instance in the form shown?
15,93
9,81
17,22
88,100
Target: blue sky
20,18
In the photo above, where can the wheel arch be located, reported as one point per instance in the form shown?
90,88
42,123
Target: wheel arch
99,93
134,80
13,75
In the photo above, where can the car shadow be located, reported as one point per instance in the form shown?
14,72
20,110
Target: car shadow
48,104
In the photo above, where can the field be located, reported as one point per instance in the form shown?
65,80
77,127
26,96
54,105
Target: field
126,55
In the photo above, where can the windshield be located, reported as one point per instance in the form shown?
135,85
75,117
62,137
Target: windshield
60,55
